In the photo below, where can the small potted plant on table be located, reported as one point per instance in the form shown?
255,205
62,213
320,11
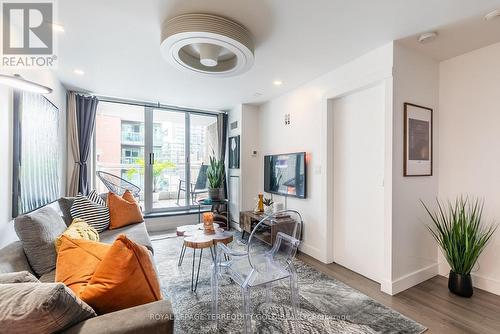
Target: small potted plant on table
459,232
268,206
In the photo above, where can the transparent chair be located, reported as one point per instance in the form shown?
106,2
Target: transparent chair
268,258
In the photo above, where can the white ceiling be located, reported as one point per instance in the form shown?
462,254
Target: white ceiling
116,43
458,38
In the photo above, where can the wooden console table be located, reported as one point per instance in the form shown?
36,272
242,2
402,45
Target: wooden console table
267,232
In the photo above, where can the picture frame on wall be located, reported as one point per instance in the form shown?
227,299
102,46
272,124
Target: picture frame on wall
234,152
35,152
418,146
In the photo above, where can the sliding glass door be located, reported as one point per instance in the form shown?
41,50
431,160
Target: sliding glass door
165,152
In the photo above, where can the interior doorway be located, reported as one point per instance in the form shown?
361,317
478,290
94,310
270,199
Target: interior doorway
358,180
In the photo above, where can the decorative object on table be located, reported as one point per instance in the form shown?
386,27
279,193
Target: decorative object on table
460,232
234,152
268,206
417,140
216,174
35,148
208,223
278,207
260,204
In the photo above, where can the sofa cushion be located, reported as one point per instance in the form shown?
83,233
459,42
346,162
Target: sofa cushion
123,210
135,232
49,277
12,258
79,229
92,213
125,277
40,307
38,231
65,204
18,277
77,261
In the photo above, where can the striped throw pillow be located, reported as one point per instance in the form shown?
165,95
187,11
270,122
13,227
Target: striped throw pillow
92,213
94,197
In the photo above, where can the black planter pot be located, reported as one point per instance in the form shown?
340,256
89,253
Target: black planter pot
460,285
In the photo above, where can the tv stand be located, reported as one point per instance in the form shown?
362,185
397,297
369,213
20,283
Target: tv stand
267,234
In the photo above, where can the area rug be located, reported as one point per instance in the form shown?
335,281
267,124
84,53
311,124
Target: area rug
326,304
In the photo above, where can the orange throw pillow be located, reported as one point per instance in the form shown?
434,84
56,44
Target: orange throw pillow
123,210
126,277
77,261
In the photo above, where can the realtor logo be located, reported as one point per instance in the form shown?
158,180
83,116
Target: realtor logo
27,32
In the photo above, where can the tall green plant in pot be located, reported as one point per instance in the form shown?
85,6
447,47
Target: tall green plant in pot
216,174
460,232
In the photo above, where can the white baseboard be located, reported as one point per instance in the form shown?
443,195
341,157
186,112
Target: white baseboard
479,281
313,252
160,224
409,280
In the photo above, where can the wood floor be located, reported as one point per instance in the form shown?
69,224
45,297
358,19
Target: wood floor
429,303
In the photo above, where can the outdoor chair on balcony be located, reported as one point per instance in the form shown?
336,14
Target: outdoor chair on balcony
197,188
118,185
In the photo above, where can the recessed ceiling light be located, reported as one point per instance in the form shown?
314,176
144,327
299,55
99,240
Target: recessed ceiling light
57,27
277,82
427,37
78,71
492,15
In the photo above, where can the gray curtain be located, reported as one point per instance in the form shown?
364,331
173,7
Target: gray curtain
222,120
73,143
86,107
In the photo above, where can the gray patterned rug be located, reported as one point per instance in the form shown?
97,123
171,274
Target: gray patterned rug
326,304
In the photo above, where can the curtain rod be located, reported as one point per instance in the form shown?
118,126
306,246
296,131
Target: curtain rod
158,105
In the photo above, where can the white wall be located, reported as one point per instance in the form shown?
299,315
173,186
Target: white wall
358,168
245,189
308,107
469,143
414,254
58,98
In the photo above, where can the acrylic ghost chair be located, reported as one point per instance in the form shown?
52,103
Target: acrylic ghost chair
260,265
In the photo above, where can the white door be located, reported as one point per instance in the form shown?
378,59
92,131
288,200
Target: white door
358,194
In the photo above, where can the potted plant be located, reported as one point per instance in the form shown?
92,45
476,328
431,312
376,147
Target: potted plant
216,174
268,206
459,231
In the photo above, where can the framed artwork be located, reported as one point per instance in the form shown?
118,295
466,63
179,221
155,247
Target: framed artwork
234,152
418,148
36,157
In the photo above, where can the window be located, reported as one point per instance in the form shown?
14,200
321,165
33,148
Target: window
149,148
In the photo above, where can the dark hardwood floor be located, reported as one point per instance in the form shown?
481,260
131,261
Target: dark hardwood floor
429,303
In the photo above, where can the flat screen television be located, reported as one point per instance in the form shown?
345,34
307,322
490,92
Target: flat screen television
285,174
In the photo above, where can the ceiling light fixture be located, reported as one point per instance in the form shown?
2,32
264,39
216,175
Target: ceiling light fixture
57,27
427,37
78,71
492,15
277,82
17,82
207,44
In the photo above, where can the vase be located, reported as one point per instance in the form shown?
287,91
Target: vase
214,193
269,210
460,284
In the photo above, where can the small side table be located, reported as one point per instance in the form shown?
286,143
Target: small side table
200,240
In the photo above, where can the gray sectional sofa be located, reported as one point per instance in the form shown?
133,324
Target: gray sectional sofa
156,317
